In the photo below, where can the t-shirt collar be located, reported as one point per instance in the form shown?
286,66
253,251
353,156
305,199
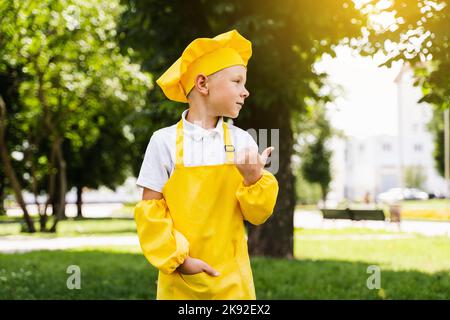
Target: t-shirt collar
196,132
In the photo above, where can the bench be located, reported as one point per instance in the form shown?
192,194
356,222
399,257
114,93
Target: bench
336,214
352,214
376,214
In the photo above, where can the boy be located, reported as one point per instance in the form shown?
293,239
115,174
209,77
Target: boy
203,177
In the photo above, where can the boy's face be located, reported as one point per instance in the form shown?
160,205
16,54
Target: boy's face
227,91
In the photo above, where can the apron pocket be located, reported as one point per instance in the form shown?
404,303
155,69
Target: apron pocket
199,282
228,285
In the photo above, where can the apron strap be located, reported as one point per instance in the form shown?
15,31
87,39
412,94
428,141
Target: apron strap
179,144
228,146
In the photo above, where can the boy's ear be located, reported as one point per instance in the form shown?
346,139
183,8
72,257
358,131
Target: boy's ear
201,83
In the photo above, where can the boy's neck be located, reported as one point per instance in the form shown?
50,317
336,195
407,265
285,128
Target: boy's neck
202,119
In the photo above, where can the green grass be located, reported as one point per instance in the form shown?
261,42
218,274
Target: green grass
127,209
344,231
104,275
427,204
328,267
416,252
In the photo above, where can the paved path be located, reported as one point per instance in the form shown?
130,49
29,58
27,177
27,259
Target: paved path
302,219
90,210
314,220
356,236
13,244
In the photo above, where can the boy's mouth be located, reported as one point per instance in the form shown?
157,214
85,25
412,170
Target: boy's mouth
240,103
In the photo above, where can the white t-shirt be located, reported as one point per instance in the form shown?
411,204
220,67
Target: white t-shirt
202,147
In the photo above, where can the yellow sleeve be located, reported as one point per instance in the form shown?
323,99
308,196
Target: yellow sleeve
162,245
258,200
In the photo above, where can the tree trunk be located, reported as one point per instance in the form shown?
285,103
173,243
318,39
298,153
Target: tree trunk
323,190
56,200
275,237
34,188
79,202
62,184
50,191
9,170
2,194
43,223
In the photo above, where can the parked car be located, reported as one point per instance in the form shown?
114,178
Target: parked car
436,195
416,194
399,194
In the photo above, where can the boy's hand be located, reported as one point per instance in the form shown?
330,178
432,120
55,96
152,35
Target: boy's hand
194,266
251,164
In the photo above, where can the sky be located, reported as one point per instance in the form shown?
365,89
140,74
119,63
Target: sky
368,103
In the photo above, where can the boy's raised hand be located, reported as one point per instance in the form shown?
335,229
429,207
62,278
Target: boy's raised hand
251,164
194,266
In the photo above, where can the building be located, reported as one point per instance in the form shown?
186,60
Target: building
374,164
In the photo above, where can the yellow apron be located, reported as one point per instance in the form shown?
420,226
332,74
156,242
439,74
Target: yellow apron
204,208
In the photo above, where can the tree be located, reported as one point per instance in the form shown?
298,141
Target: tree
306,192
9,90
416,32
415,176
8,169
316,165
103,162
436,127
315,157
74,71
288,38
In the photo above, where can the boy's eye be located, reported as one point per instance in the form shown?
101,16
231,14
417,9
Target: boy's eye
237,81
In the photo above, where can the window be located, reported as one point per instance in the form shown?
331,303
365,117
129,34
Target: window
361,148
386,147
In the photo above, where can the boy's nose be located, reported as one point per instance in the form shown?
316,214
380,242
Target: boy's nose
245,94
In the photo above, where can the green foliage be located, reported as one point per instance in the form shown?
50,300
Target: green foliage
314,132
316,165
76,86
307,193
287,36
417,33
436,127
415,176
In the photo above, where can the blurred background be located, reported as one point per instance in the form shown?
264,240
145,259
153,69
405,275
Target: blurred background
359,91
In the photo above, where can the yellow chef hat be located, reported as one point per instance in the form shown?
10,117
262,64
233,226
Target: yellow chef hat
204,55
